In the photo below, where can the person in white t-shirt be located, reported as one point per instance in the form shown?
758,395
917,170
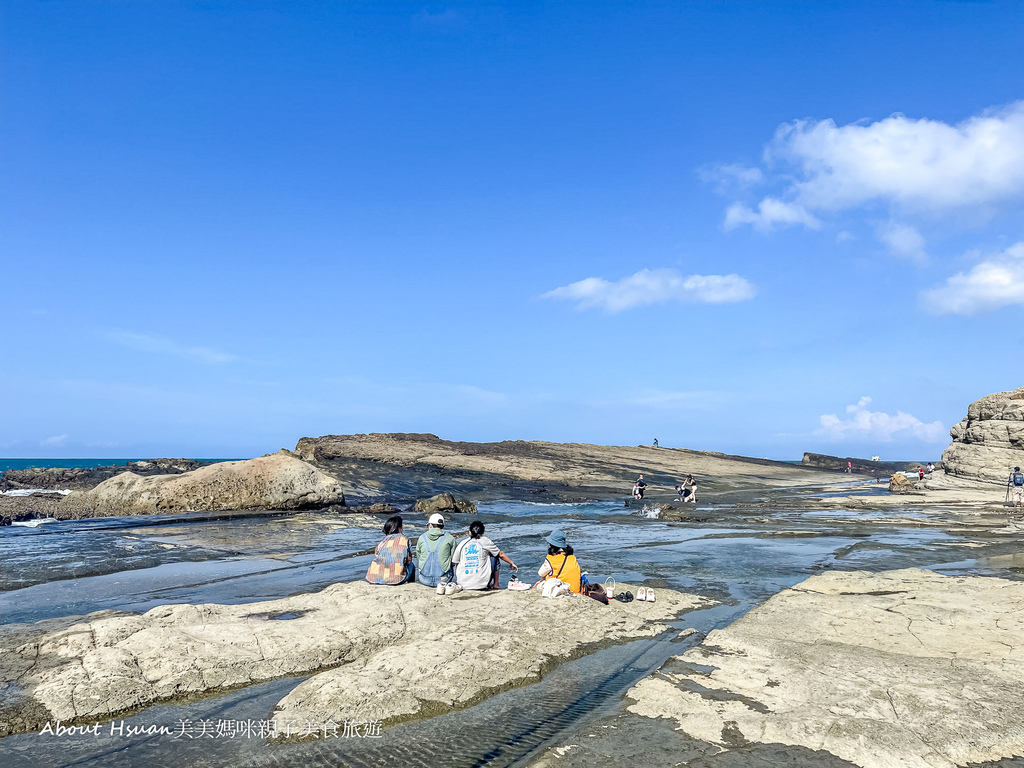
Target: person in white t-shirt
476,560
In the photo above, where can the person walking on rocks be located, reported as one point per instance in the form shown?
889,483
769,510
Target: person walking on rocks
434,550
392,562
1016,485
477,560
638,487
561,563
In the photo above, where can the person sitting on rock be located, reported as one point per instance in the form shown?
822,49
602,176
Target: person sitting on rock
392,562
477,559
434,551
561,563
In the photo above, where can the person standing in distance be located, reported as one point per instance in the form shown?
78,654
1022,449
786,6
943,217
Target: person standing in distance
1016,484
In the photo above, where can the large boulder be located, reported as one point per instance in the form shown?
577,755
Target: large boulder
989,441
899,483
278,481
445,502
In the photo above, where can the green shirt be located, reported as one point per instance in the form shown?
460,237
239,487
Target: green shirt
444,550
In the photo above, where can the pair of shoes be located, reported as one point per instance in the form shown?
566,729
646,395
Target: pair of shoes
451,588
625,597
645,594
518,586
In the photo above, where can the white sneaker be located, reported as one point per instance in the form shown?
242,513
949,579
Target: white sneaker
451,588
440,587
641,594
650,595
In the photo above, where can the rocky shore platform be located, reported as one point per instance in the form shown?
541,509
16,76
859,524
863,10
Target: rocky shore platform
396,470
410,465
899,669
376,652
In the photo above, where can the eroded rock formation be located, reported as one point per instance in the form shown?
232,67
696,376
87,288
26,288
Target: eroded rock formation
278,481
989,441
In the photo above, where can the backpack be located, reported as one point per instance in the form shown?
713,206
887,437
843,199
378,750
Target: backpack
597,592
430,572
1018,479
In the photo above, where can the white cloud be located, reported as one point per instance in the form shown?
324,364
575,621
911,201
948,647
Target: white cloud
167,346
903,240
925,164
731,177
993,283
877,425
770,212
653,286
919,169
54,442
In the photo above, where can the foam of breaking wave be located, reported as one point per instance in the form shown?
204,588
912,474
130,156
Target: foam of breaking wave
30,491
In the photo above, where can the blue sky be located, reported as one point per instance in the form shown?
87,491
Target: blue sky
759,228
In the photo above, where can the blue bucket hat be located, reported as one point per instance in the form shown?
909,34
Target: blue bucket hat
557,539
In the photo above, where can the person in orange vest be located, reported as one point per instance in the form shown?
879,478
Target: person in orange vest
561,563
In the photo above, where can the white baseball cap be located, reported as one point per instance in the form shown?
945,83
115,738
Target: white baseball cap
436,519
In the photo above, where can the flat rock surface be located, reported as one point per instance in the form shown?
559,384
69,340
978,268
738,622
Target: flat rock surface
517,465
898,669
399,652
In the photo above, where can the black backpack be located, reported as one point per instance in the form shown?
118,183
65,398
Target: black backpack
1018,479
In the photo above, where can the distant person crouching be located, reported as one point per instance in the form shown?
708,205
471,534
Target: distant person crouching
688,490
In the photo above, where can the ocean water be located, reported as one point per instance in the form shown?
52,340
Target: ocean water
6,464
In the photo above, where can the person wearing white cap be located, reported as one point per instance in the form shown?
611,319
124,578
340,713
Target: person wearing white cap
434,551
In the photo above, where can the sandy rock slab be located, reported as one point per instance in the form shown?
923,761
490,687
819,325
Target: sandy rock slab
899,669
277,481
398,652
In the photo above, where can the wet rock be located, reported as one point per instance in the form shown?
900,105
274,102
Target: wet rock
445,502
380,508
903,668
277,481
404,651
989,441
